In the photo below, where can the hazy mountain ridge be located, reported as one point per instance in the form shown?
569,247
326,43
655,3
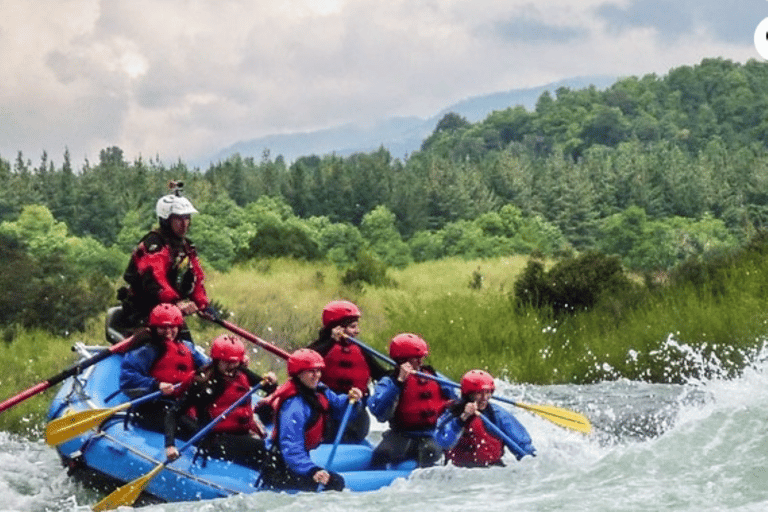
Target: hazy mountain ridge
400,135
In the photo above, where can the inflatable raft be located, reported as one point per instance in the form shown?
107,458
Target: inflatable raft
118,451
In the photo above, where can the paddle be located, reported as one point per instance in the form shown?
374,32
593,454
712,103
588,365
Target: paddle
127,494
557,415
339,435
65,428
513,446
69,372
247,335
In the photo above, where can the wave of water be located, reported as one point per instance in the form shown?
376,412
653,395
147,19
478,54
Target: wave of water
696,447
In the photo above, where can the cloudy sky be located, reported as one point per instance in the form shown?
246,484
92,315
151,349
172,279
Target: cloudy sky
177,79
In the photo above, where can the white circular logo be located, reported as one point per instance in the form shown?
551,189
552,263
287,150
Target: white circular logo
761,38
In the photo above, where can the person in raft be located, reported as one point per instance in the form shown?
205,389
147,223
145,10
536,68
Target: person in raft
239,437
162,360
303,405
463,434
410,403
164,267
346,364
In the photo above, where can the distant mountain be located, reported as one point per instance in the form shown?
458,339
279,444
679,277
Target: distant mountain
400,135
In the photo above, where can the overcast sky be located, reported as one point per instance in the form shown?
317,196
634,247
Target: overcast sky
183,78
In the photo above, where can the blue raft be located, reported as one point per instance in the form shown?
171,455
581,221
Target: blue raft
119,451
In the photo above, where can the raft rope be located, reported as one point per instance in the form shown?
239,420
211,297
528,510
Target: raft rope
171,468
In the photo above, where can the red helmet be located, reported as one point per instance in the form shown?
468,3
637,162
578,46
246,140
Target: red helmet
304,359
228,348
338,310
475,381
406,346
166,315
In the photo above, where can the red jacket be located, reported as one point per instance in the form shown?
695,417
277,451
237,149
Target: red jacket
164,269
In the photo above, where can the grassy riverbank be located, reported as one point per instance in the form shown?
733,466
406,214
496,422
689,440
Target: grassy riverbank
463,309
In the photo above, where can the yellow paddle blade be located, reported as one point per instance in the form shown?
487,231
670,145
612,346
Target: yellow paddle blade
127,494
66,427
559,416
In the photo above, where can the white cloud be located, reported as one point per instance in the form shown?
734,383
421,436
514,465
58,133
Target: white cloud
181,78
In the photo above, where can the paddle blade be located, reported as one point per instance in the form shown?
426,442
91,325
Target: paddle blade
127,494
65,428
559,416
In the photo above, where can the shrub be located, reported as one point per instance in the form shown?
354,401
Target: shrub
367,269
573,284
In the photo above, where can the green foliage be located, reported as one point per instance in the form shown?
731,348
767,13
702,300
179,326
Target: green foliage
340,242
278,232
647,245
29,357
214,242
48,291
574,284
57,281
368,269
378,230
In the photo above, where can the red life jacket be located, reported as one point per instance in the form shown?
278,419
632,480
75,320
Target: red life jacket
175,365
239,420
315,426
476,446
420,402
172,267
346,368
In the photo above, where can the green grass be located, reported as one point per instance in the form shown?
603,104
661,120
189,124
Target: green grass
30,358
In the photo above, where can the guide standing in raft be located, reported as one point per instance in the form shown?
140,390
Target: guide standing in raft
164,267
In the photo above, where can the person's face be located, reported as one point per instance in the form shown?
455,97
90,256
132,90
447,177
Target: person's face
180,224
310,378
481,398
227,368
416,362
168,332
352,329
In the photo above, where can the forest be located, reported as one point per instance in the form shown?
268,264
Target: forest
654,171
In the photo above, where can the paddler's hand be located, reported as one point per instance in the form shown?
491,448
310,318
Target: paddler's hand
469,410
166,388
269,378
404,371
338,334
355,394
171,453
187,307
321,477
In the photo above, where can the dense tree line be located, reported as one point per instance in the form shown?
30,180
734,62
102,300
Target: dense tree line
652,169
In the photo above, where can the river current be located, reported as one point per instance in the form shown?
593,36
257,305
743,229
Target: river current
701,446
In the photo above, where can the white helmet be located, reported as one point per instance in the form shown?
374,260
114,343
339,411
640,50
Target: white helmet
173,205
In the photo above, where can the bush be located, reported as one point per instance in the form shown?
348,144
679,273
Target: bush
367,269
573,284
48,292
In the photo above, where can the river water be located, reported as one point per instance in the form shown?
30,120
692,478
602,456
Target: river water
702,446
